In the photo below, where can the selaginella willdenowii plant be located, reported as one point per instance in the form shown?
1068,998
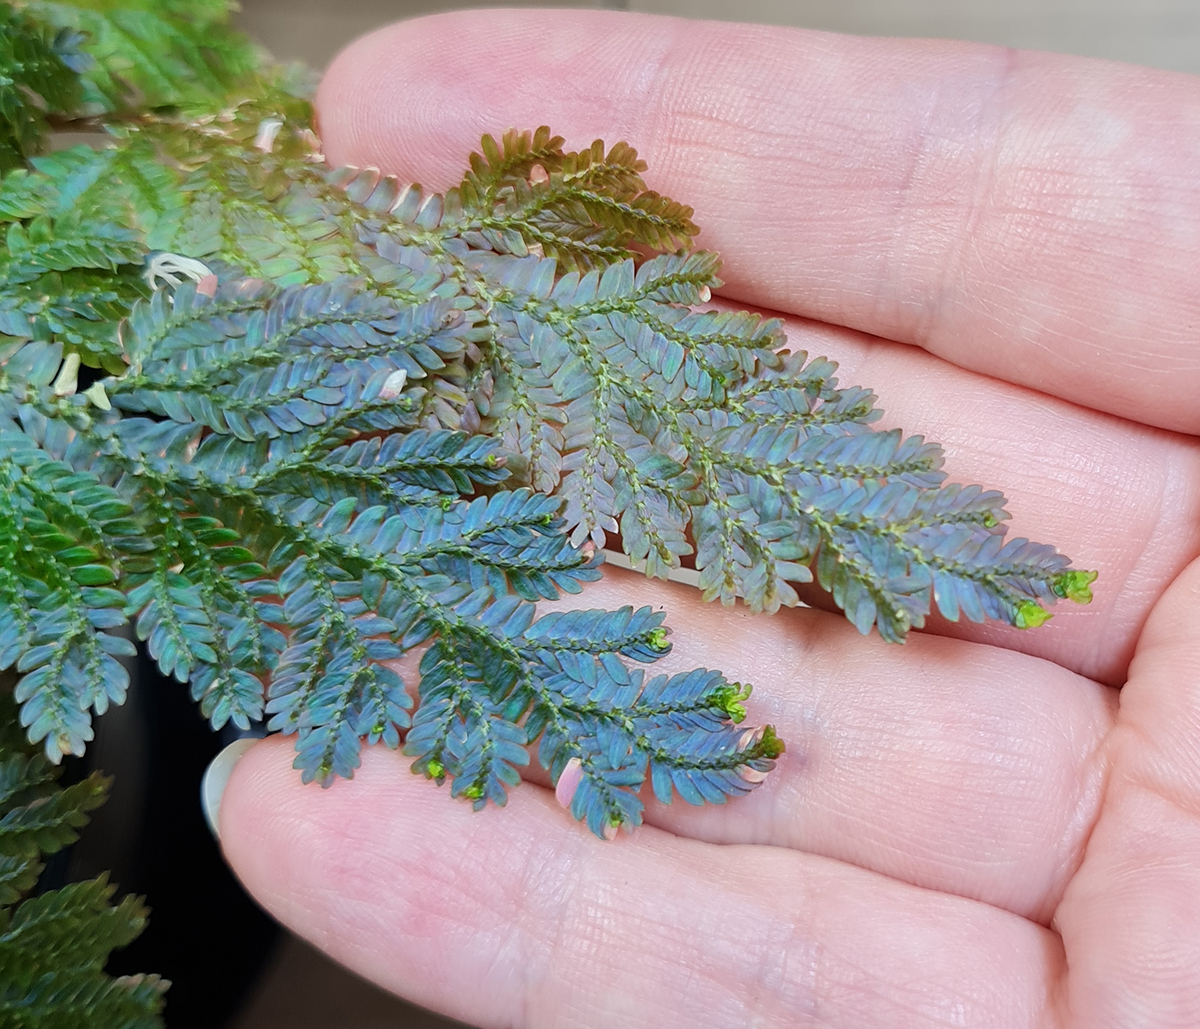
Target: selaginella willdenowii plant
283,424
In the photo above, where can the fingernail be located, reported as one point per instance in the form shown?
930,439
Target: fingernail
216,778
568,782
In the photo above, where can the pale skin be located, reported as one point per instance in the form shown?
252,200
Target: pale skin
975,828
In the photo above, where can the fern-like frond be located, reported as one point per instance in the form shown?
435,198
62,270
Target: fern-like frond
406,574
256,365
465,726
76,923
69,270
615,727
126,182
151,55
39,817
80,309
328,398
63,534
692,432
38,74
85,998
53,946
64,244
587,209
260,499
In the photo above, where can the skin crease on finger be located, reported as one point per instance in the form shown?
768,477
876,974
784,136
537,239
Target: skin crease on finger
1026,215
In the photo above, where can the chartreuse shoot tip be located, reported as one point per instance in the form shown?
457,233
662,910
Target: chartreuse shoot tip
1030,614
1075,585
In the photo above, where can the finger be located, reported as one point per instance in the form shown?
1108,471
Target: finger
1031,216
517,918
1131,918
1117,497
963,768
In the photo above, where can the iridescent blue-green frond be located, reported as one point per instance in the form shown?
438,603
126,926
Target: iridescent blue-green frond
464,728
345,418
693,433
611,727
638,635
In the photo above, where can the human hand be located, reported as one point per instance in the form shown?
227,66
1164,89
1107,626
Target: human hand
972,829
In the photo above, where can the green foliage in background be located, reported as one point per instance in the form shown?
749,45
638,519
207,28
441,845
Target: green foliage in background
53,946
287,424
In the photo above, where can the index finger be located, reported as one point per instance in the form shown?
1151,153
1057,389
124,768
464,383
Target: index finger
1030,216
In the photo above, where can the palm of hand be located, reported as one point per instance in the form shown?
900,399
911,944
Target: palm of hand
972,829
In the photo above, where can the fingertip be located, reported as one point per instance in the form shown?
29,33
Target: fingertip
258,780
389,875
415,97
353,98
